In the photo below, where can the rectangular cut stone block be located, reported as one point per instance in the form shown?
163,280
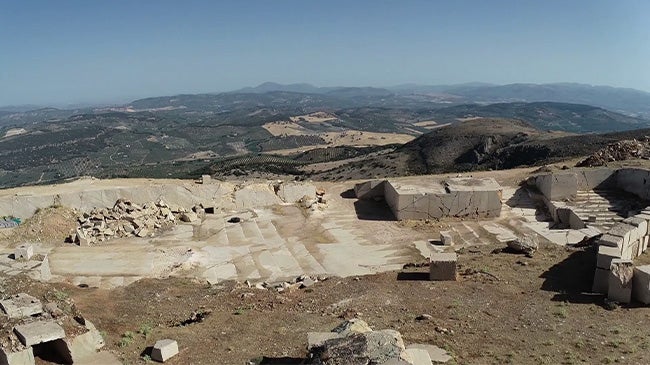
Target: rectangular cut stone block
38,332
164,349
609,240
601,281
24,252
22,357
446,238
628,232
641,284
605,256
640,224
620,280
645,241
443,266
21,306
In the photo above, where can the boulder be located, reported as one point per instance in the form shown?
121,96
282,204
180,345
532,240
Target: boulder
525,244
375,347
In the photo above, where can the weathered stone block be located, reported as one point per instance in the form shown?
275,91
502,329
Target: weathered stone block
446,238
605,256
369,189
21,357
641,284
24,252
640,224
21,306
442,266
620,280
38,332
628,232
163,350
610,240
601,281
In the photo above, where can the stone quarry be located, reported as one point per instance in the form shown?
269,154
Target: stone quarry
284,237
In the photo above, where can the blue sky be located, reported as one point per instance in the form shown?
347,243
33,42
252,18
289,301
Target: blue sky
56,52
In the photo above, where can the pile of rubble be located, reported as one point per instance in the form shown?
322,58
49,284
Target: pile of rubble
301,282
354,342
127,219
618,151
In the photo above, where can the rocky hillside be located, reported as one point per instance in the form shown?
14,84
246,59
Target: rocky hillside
480,144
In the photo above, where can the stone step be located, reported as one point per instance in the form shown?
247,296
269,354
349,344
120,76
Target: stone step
252,231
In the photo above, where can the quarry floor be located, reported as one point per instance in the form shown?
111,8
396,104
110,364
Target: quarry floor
505,308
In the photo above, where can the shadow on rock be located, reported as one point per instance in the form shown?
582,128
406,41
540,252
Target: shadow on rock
371,210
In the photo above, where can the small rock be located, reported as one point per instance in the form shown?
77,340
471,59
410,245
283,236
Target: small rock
423,317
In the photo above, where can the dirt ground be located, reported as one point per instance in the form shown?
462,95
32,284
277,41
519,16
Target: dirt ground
504,309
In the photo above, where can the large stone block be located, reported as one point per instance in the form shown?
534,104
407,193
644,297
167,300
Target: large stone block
605,256
20,357
21,306
620,280
610,240
557,186
38,332
640,224
369,189
635,181
24,252
589,179
641,284
442,266
163,350
628,232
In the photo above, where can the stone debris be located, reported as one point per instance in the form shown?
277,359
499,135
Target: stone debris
128,219
364,346
163,350
301,282
526,244
618,151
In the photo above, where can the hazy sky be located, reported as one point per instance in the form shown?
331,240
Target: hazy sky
116,50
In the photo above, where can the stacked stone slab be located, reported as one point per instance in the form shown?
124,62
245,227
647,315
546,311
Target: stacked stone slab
617,248
454,197
32,324
127,219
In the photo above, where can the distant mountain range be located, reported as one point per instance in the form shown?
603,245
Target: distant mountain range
629,101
